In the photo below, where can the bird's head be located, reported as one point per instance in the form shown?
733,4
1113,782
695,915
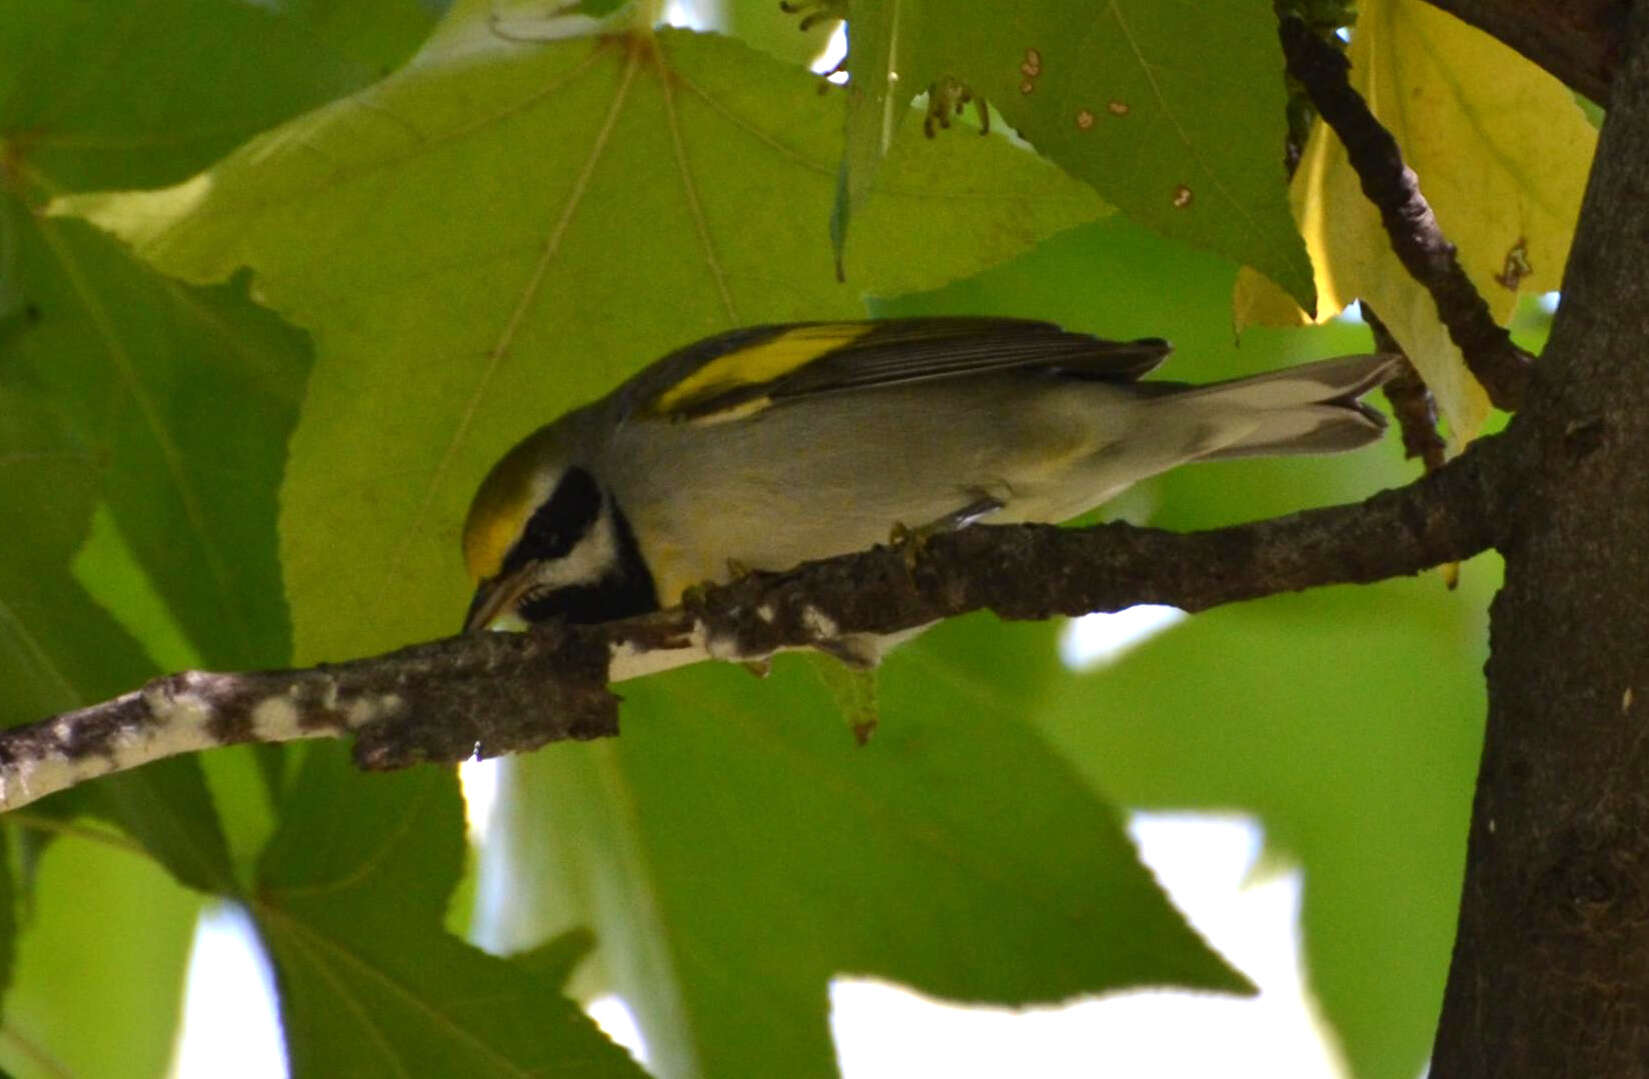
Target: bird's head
545,540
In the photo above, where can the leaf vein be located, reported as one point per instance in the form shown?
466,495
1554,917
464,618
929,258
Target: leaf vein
316,943
512,327
695,208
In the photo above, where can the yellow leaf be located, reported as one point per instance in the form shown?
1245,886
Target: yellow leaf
1502,152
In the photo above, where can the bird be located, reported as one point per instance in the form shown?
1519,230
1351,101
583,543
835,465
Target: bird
768,446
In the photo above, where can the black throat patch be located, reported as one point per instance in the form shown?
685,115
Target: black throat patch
626,589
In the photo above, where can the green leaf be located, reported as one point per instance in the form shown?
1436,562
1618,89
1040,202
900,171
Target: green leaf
735,849
106,566
171,404
166,807
57,648
579,207
763,25
245,792
184,397
70,73
558,958
100,964
597,9
1346,720
1177,121
10,900
855,694
353,889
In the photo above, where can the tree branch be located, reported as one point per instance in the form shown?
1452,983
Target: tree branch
492,693
1416,238
1550,973
1411,401
1579,41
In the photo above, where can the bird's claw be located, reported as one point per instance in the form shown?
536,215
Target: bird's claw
910,541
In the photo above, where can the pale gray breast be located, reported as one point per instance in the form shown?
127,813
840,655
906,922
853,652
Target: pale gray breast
834,474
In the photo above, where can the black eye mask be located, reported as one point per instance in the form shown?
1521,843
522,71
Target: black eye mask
627,590
556,527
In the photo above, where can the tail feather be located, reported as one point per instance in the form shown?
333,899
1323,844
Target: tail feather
1312,408
1343,377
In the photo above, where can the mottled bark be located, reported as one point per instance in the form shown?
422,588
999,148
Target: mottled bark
487,694
1551,965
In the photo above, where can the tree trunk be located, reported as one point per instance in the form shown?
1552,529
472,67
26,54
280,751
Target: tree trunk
1551,965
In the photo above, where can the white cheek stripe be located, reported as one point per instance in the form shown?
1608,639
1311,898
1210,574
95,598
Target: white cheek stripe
593,557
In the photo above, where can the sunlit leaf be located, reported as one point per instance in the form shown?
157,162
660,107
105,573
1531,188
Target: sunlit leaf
763,25
579,207
100,965
1502,152
106,566
9,901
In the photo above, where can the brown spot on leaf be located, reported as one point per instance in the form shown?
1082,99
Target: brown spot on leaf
1084,119
1182,197
1027,86
1516,266
1118,108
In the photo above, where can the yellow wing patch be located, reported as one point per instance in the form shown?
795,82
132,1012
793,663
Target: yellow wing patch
731,412
759,363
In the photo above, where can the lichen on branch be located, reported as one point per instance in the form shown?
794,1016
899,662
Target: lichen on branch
486,694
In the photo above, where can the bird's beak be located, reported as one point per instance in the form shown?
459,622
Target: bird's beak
496,600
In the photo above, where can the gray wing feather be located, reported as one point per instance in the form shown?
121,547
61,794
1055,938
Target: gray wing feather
917,350
898,351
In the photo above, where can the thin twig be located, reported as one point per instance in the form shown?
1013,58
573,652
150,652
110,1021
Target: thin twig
1416,238
1411,400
